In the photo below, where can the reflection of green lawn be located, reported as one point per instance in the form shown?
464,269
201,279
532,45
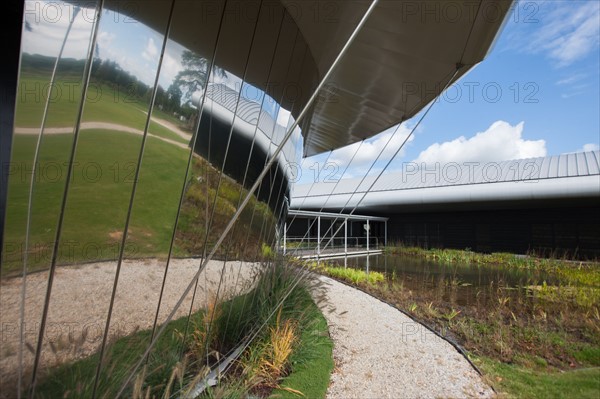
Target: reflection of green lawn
98,198
105,104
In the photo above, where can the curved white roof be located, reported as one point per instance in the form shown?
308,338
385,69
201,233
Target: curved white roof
574,175
399,62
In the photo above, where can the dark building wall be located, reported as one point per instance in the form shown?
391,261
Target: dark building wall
13,24
572,231
298,228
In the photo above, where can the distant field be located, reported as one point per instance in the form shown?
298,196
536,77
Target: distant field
102,182
98,198
99,195
105,104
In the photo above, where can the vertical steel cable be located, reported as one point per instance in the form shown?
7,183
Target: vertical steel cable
449,80
222,171
273,159
254,208
30,202
87,74
323,206
243,184
302,271
358,185
290,118
132,200
189,166
281,186
459,65
261,236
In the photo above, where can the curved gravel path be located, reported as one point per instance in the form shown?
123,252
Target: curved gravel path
79,304
100,126
381,353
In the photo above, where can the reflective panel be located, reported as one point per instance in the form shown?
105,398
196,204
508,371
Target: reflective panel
147,243
104,163
55,44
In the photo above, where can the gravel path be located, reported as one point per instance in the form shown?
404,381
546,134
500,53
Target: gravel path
381,353
79,306
100,126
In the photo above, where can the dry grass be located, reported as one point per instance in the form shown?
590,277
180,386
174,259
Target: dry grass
275,363
204,331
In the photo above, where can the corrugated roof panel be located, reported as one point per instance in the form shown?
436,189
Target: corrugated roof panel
367,182
465,174
529,169
511,170
553,172
410,180
476,174
386,182
582,167
545,167
563,170
593,162
572,165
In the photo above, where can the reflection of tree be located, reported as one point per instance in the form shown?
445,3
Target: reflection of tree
193,75
169,100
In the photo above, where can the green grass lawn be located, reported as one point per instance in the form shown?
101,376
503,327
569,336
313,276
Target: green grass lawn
105,104
101,185
98,198
76,380
310,364
102,181
520,382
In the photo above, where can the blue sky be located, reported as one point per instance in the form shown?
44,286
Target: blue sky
537,93
556,93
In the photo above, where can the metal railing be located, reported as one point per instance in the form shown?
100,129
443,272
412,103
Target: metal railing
304,246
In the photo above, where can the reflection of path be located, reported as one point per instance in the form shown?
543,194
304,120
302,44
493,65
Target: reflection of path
99,126
79,303
382,353
175,129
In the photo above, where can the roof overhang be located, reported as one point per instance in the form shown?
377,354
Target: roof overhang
399,62
295,213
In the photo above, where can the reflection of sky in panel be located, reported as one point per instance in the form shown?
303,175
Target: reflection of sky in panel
134,46
46,24
131,44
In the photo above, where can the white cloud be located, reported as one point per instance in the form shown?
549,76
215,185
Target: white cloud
500,142
589,147
571,79
371,148
334,166
105,40
48,24
151,51
569,32
170,68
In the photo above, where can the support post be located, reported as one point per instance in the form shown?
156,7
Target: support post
385,235
308,226
318,237
284,238
367,236
346,242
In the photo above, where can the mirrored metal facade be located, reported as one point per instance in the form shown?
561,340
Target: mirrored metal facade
150,166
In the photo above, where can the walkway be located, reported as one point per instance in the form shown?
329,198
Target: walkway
382,353
107,126
334,253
